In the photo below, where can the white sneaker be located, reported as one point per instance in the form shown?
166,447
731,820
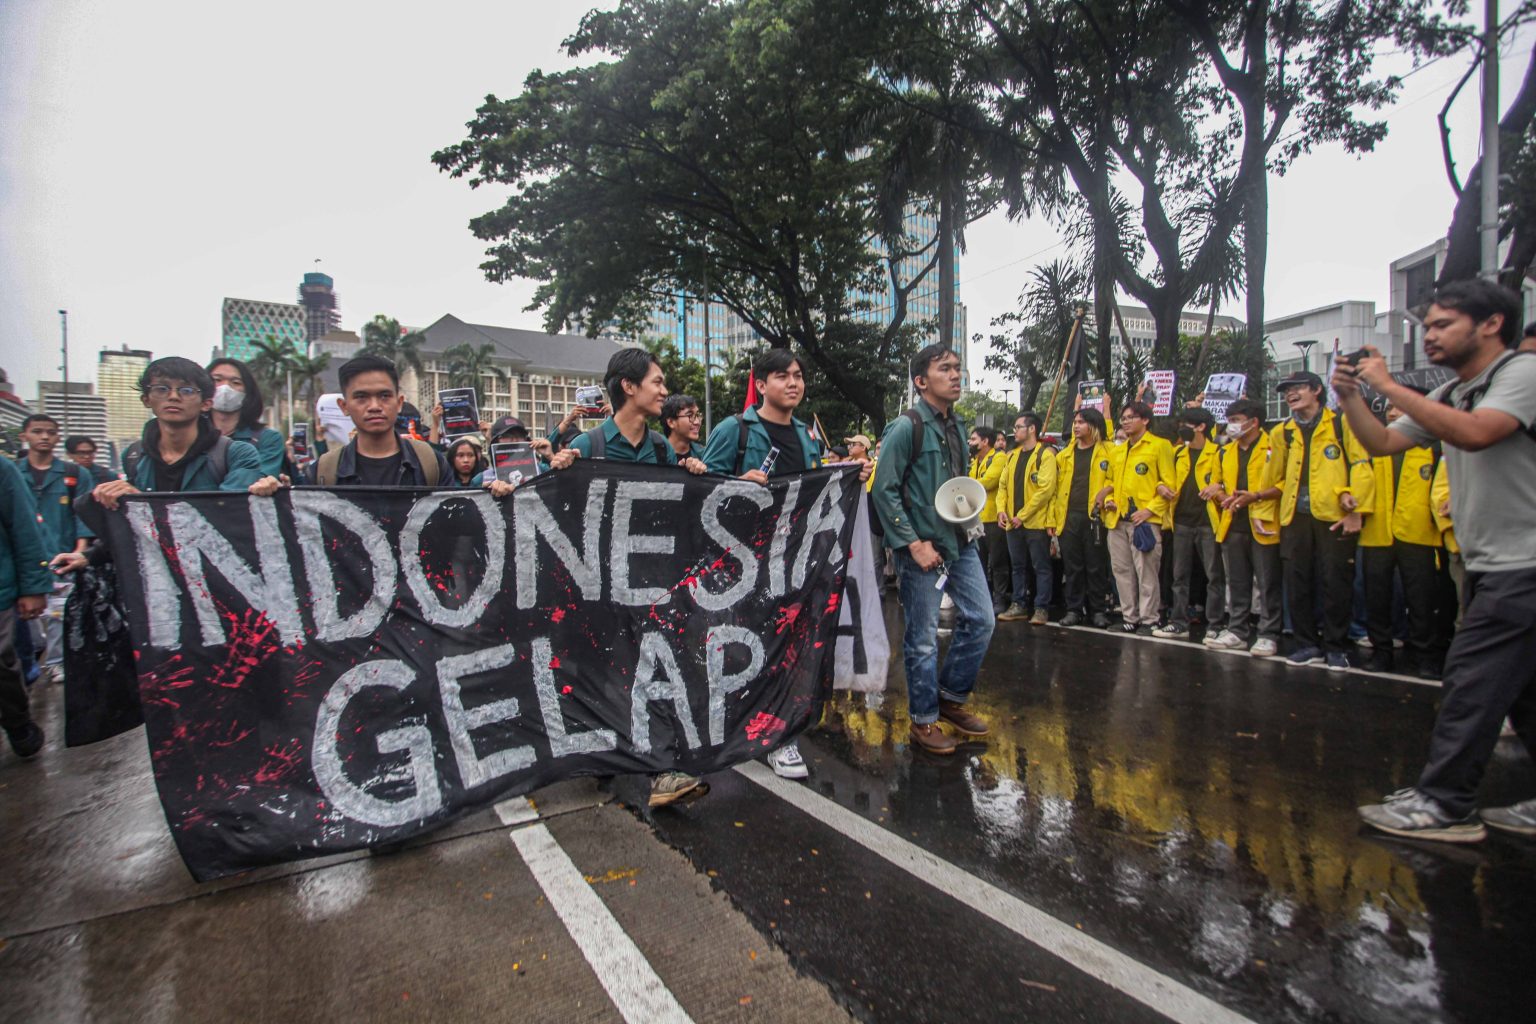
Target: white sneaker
1263,648
1226,640
787,763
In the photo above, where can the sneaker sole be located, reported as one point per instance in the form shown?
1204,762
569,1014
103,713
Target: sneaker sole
1013,618
1512,829
798,772
663,799
1454,834
1305,664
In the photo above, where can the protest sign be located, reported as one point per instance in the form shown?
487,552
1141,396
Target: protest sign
461,412
1422,378
1221,390
335,426
1093,394
332,669
1159,391
514,463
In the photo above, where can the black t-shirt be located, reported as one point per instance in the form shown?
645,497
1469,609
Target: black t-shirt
1240,515
168,477
1190,511
39,476
1082,465
379,472
791,457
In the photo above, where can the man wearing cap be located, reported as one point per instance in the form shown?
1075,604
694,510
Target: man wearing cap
1134,496
1326,485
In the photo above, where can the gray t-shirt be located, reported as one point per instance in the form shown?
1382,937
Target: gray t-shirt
1493,492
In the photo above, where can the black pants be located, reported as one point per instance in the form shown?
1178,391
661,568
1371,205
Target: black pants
13,693
999,566
1085,565
1415,565
1490,673
1317,557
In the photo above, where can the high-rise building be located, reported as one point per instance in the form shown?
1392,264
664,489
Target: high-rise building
247,321
12,409
117,382
77,407
317,294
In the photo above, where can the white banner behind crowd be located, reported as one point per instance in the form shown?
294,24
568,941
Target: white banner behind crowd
862,656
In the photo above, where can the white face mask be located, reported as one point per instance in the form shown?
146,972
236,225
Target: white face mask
227,399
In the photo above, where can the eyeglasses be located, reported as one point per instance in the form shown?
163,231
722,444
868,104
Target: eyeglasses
164,390
693,416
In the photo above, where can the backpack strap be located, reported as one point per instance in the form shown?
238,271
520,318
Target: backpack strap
1470,399
218,459
741,443
916,419
132,456
659,446
597,444
427,456
325,469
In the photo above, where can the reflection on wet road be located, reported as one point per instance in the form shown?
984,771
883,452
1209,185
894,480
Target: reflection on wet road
1196,813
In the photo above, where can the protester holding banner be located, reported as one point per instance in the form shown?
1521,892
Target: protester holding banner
378,454
1081,471
1400,542
921,450
1248,531
237,411
740,445
1025,498
1486,420
637,387
1193,517
1327,484
682,423
25,584
1134,507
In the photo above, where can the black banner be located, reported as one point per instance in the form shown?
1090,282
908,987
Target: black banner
331,669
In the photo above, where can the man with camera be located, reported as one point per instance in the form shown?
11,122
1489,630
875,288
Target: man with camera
1486,420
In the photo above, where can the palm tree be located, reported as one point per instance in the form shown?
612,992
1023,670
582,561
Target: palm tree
383,336
307,371
465,366
270,363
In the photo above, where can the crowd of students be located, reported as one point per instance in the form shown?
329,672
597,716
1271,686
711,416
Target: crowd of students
1240,533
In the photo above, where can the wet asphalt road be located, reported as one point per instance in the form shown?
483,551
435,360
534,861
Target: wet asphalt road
1192,811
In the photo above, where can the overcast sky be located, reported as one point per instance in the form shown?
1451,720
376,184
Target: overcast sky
156,157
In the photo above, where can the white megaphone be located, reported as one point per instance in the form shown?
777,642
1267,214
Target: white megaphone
959,502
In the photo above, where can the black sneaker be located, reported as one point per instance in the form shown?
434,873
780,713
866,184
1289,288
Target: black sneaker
1072,619
1413,815
1100,621
1518,818
26,741
1127,627
1145,629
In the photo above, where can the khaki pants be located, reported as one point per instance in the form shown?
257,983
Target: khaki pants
1136,574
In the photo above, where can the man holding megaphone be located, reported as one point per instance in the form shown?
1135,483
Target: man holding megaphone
930,509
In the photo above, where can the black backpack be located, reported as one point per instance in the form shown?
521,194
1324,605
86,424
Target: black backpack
1469,400
218,460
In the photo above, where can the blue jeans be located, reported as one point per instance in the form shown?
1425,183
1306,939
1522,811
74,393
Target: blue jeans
1030,551
967,587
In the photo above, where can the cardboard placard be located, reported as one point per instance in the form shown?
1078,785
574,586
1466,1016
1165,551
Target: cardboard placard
1221,390
1093,393
514,463
1161,391
461,412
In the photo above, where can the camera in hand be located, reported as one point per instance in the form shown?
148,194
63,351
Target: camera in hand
1353,359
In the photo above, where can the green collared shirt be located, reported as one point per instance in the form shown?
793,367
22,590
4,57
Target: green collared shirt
617,447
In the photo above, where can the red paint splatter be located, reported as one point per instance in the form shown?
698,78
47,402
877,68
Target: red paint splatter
832,602
556,615
554,662
787,616
566,688
764,727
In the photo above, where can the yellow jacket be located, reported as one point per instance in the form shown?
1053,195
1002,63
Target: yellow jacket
1205,475
1136,470
1440,494
1039,486
1065,463
988,468
869,485
1334,469
1403,509
1263,515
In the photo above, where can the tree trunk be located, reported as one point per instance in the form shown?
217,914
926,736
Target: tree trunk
1255,253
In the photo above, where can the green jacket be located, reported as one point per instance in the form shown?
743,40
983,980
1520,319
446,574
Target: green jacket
55,502
23,554
910,516
270,447
720,453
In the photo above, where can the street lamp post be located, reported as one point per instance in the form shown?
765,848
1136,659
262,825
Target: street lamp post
64,346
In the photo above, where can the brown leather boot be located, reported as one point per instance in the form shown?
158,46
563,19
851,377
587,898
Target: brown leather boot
961,719
933,739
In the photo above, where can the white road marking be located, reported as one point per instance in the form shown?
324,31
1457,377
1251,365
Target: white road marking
516,810
1171,998
639,995
1278,659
